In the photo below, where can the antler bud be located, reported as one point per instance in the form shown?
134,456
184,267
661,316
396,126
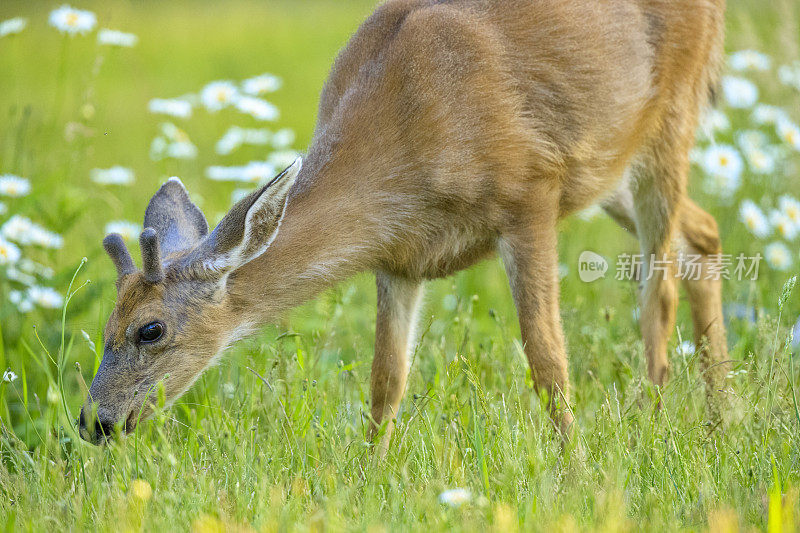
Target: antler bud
151,256
116,249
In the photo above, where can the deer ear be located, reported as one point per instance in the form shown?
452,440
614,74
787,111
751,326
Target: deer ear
249,227
178,223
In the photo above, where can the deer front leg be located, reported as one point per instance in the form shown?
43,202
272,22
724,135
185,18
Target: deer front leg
531,262
398,302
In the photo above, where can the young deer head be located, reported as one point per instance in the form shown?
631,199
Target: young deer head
176,315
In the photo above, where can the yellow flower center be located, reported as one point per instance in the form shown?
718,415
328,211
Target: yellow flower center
723,161
3,252
72,19
221,96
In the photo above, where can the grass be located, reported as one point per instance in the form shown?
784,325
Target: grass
274,438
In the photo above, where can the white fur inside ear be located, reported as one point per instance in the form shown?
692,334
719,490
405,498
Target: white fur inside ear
272,202
286,179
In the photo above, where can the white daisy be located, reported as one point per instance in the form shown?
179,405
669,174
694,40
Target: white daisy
9,253
722,159
283,138
257,108
220,173
739,92
789,132
32,267
218,95
747,139
253,172
784,226
174,107
256,136
173,133
182,150
19,299
778,256
158,148
46,239
230,141
70,20
14,186
760,161
790,75
749,60
21,230
259,171
116,38
266,83
12,26
128,230
282,158
9,376
173,142
45,297
17,228
767,114
686,348
713,120
790,207
754,219
723,167
455,497
235,137
115,175
15,274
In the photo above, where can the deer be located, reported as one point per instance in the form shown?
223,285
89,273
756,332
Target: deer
447,131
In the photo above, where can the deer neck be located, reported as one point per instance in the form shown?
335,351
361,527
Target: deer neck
330,231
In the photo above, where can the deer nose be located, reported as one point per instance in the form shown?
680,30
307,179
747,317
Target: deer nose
103,428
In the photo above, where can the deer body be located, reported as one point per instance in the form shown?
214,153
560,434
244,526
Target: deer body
448,131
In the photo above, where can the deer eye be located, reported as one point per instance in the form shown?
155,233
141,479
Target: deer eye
151,332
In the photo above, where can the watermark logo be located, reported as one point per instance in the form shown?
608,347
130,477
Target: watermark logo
591,266
691,267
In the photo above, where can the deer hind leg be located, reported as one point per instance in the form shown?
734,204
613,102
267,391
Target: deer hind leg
398,303
698,237
531,261
657,187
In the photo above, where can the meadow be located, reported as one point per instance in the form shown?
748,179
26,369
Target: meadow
274,438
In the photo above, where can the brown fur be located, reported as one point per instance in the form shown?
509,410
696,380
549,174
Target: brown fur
451,129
